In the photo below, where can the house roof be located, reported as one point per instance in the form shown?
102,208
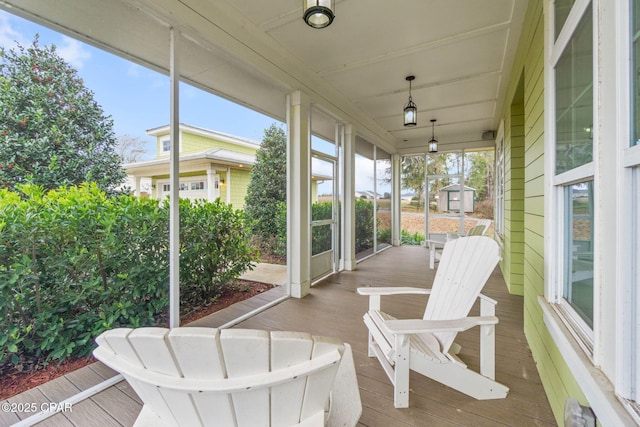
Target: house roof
257,53
197,160
456,187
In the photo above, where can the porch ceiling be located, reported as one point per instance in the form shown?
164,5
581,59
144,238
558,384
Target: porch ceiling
255,52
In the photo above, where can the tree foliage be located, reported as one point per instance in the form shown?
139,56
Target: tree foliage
268,184
481,173
52,131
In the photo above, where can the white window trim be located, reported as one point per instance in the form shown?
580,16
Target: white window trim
628,272
161,151
603,393
555,184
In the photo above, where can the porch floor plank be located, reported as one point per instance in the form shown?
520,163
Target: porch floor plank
335,309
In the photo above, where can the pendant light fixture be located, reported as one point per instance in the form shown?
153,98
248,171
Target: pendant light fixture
410,109
318,13
433,142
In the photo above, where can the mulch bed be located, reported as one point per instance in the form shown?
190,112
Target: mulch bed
13,383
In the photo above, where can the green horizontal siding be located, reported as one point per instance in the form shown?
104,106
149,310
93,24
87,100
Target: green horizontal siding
239,184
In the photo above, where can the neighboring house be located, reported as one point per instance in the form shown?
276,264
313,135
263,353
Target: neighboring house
367,194
212,165
449,198
407,197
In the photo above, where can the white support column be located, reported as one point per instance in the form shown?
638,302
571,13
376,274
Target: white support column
298,195
396,200
211,184
174,179
138,184
349,198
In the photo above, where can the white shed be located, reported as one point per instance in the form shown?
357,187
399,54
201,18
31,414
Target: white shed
449,198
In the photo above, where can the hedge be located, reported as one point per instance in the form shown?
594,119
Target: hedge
75,262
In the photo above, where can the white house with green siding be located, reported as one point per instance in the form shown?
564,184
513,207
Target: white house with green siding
212,165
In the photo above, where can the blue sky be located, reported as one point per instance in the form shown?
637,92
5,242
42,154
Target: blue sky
135,97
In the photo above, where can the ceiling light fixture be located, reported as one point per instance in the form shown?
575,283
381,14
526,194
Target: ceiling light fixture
318,13
410,109
433,142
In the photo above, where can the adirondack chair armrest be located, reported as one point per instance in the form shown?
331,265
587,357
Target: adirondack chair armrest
393,290
484,298
420,326
375,293
226,385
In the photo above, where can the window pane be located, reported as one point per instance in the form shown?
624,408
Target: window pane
321,240
365,195
321,189
574,99
561,11
578,251
635,71
383,189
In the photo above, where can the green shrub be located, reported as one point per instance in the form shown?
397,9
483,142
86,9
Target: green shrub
214,249
74,262
384,235
364,224
408,238
321,236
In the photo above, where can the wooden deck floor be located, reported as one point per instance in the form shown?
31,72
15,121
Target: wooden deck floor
334,309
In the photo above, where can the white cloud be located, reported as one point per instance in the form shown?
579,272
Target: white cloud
73,52
8,35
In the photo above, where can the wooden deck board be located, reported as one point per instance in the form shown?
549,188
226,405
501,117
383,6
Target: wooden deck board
334,309
85,413
119,405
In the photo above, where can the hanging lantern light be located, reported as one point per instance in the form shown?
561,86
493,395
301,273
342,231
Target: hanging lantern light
410,109
318,13
433,142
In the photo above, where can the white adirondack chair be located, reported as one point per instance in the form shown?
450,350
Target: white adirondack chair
427,345
234,377
436,243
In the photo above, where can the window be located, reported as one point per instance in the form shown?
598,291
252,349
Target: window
573,181
561,13
631,192
184,186
166,187
197,185
574,99
166,145
635,72
578,249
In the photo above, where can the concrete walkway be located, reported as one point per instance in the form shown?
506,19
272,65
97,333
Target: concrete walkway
272,274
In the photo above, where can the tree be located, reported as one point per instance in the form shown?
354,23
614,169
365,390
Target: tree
131,148
413,175
52,131
480,166
268,185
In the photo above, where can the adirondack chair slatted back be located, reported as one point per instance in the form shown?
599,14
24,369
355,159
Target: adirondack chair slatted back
465,266
223,356
477,230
